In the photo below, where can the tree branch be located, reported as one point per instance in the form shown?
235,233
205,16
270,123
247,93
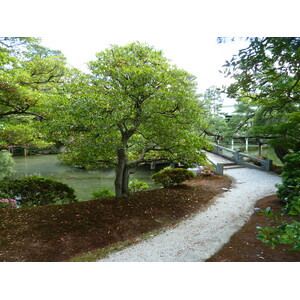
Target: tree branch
17,112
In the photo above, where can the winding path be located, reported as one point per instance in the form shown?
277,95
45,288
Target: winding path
198,238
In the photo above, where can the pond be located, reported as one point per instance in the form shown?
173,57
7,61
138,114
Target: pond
83,181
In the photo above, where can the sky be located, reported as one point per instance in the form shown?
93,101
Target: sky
202,56
186,31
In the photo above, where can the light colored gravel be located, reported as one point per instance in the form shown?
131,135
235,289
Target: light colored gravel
198,238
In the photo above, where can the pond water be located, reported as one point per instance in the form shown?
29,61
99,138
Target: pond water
252,150
83,181
86,181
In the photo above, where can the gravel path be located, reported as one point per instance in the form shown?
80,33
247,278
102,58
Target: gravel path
198,238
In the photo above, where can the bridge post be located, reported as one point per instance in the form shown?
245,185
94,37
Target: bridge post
219,169
268,164
153,165
236,156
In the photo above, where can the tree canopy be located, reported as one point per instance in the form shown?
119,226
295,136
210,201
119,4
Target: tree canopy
215,123
267,81
134,108
29,75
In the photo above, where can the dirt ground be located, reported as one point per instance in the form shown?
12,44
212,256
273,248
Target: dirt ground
65,232
245,247
62,232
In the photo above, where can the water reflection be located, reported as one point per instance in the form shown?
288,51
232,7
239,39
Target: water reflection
83,181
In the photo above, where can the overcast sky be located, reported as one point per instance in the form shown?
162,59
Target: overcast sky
200,56
186,30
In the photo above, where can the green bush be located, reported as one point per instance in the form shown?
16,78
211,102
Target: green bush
290,177
137,186
169,177
206,171
6,164
285,232
7,203
37,191
102,193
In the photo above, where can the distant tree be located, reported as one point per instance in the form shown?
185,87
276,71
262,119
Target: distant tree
213,100
133,109
267,74
215,123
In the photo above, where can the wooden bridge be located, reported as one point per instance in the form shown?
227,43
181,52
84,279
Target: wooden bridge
225,158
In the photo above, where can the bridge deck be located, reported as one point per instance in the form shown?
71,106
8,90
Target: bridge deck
216,159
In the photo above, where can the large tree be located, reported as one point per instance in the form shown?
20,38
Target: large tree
133,109
267,79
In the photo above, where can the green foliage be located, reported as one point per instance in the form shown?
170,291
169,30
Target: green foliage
3,195
290,177
30,75
137,186
6,164
169,177
267,84
37,191
117,114
287,232
24,134
215,124
102,193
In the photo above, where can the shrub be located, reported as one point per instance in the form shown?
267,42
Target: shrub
102,193
8,203
286,232
290,177
206,172
169,177
37,191
137,186
6,164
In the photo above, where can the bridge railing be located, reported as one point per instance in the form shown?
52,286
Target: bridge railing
243,159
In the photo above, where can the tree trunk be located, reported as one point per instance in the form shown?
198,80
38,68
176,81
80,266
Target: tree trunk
122,175
125,182
259,147
280,153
